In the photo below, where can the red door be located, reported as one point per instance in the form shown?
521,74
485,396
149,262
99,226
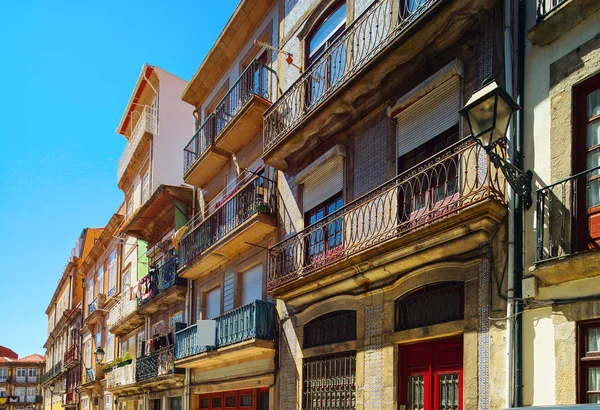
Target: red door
431,375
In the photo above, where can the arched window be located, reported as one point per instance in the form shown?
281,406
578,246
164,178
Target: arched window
326,71
430,305
334,327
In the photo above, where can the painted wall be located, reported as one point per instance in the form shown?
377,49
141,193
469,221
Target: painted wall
175,129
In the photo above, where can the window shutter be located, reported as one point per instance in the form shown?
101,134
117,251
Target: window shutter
428,117
228,291
213,303
252,285
323,183
140,340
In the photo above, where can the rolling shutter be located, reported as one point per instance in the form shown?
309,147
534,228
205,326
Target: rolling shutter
324,183
213,304
431,115
252,285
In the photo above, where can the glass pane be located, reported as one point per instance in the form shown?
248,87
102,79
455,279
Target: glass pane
593,379
416,392
593,133
448,391
246,400
593,104
594,340
204,403
230,401
594,398
328,27
216,402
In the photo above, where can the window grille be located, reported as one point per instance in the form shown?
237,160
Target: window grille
333,327
329,382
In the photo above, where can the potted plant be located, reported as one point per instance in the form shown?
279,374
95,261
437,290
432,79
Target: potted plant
107,368
127,359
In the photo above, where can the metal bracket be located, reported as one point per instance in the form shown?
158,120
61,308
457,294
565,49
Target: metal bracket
519,181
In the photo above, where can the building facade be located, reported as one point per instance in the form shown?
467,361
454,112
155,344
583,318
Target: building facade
20,381
562,105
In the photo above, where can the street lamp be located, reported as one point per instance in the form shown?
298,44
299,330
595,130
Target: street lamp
488,113
99,355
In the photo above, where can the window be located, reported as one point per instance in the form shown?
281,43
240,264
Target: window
126,284
175,403
21,372
132,346
212,303
110,347
430,305
326,241
30,394
107,401
146,186
330,328
88,353
329,382
140,344
177,317
100,280
431,375
123,347
85,403
112,273
2,391
32,374
331,69
251,285
586,147
137,193
3,374
90,292
20,391
589,362
128,209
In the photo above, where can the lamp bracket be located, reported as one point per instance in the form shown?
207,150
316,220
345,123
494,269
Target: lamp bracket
519,181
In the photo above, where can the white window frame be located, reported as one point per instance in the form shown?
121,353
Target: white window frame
3,373
100,280
112,271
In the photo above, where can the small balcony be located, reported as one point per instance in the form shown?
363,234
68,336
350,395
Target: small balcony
70,399
123,317
568,228
71,358
145,128
234,122
120,377
161,288
360,44
95,310
250,327
244,216
93,375
156,364
53,372
441,193
556,17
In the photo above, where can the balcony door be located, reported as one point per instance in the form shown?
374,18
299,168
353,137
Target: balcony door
586,159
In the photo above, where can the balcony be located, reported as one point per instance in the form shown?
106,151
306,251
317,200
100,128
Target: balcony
70,399
556,17
445,194
93,376
362,42
145,128
71,358
250,327
234,122
121,376
568,228
156,364
123,317
53,372
95,310
245,216
161,288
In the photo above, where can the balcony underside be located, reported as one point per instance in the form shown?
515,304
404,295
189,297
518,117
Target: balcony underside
456,236
562,19
163,382
94,317
127,324
164,300
447,25
206,167
229,355
237,241
244,126
568,268
136,159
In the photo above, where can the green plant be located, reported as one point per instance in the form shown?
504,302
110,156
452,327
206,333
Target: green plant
107,367
127,357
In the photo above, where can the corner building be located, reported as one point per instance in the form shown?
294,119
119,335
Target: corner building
392,223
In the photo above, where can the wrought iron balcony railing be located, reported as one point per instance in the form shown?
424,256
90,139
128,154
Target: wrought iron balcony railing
122,309
566,213
121,376
155,364
147,122
545,7
53,372
92,306
360,43
454,179
71,355
158,280
256,80
258,195
254,320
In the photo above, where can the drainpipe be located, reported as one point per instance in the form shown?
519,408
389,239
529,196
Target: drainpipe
518,214
509,350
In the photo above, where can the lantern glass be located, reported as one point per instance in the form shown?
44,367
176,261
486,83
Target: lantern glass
481,119
503,113
52,387
99,354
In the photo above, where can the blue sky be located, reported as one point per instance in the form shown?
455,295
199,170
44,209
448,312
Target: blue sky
68,69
